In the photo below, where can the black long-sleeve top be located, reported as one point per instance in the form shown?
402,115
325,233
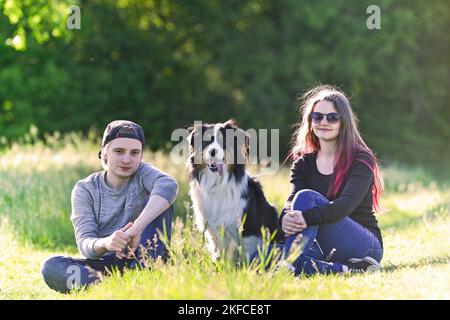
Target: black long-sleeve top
355,200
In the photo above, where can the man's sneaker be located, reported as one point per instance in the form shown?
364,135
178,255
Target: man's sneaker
366,264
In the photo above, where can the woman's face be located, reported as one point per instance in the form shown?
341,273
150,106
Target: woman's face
323,129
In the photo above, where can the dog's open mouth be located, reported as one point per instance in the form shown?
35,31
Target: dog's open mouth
216,166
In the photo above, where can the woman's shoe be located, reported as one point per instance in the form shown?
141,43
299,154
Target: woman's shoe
366,264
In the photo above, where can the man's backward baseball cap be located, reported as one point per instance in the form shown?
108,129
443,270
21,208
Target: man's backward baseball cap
122,129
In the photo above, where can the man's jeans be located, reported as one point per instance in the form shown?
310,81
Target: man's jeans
326,247
65,273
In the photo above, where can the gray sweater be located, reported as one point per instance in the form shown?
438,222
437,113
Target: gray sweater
98,210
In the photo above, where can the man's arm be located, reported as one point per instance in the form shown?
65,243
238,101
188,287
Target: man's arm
86,227
84,222
163,190
99,246
116,242
155,206
158,183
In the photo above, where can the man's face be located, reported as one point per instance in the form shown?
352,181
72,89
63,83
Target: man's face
123,156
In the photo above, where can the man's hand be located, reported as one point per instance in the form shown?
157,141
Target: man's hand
293,222
134,235
118,240
155,206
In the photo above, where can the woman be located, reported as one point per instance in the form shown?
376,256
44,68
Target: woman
335,190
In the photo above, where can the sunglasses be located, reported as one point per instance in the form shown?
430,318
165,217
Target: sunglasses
332,117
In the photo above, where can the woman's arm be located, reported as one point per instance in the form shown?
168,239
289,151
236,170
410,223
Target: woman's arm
355,189
298,182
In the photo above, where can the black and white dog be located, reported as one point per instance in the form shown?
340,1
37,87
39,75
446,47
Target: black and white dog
223,193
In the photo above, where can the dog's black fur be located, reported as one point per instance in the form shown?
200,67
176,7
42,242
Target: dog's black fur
222,178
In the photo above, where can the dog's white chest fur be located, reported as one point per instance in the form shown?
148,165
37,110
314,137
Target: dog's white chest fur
218,202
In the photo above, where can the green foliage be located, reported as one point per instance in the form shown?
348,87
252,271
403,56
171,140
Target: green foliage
167,63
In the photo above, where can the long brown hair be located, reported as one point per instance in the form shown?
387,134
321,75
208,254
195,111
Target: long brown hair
349,146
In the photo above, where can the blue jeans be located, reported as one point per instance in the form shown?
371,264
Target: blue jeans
65,273
327,247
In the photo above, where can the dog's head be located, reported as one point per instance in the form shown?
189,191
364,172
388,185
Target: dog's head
219,148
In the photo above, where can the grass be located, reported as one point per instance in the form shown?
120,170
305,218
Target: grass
36,181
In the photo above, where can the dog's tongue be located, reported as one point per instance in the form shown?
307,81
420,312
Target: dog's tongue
220,168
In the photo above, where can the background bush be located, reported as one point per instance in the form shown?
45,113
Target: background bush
166,63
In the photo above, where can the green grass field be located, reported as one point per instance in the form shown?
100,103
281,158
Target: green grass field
36,181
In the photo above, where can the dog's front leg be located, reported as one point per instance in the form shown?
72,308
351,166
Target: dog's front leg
212,244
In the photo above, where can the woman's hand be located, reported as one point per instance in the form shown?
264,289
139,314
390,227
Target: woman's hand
293,222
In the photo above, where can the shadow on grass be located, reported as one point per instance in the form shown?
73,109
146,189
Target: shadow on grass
437,260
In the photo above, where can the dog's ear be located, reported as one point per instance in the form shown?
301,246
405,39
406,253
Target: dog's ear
241,144
231,124
194,127
246,146
191,135
193,130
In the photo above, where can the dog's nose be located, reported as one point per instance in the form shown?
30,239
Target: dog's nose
213,152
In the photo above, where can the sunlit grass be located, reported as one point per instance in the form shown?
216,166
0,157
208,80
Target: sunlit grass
36,182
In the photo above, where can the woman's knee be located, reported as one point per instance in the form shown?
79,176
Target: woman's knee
307,199
376,251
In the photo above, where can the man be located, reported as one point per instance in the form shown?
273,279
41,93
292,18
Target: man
114,211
